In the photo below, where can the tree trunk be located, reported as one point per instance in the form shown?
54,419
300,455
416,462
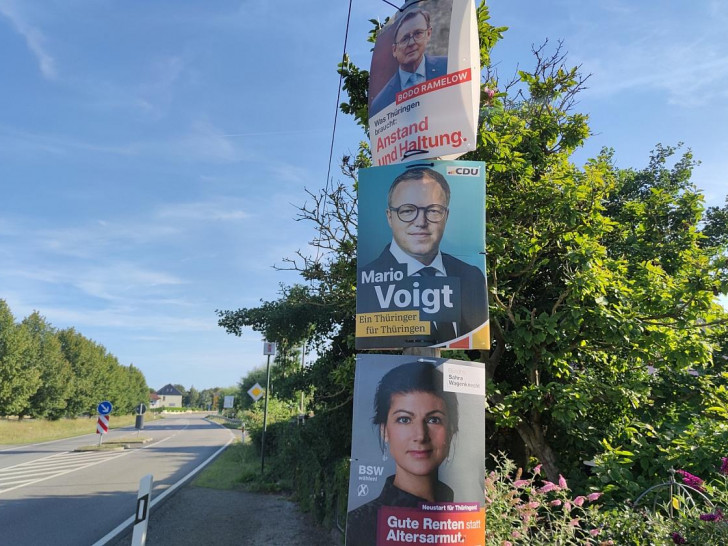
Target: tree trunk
532,435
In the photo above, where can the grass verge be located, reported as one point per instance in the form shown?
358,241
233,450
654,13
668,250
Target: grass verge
30,431
238,467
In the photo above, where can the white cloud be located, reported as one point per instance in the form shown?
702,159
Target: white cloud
136,319
34,38
204,142
23,142
685,59
217,210
90,241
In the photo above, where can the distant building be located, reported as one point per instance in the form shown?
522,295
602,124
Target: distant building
154,399
169,397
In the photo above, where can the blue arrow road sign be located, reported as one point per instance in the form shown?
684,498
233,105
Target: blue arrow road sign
104,408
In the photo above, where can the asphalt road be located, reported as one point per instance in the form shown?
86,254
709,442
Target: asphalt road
50,494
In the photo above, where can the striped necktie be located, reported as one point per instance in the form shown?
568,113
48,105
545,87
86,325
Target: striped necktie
441,331
414,79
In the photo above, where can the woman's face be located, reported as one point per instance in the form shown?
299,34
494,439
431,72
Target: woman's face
417,432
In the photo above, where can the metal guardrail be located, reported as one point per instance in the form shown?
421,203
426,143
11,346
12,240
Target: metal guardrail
236,422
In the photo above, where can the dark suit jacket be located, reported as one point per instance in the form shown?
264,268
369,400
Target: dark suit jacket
434,68
361,523
473,304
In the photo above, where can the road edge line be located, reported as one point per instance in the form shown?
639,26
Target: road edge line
126,523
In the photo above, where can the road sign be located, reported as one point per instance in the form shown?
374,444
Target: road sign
141,518
104,408
269,348
228,402
141,409
255,392
102,424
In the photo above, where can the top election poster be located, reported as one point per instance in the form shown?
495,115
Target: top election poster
418,452
424,83
421,256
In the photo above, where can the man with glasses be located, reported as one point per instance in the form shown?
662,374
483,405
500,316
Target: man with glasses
412,32
417,213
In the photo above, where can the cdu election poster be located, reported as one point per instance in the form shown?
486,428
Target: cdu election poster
421,256
418,452
424,82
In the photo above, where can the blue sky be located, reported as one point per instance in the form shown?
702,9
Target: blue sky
152,154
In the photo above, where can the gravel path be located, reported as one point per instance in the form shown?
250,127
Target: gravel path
197,515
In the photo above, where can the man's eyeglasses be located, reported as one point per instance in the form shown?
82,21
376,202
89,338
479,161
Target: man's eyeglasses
417,36
409,212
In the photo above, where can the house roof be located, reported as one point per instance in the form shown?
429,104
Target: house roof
169,390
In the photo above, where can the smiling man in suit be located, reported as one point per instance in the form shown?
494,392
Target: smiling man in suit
411,36
449,290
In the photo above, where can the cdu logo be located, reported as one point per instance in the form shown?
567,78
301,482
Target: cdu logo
463,171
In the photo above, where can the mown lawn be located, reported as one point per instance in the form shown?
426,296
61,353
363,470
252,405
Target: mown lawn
28,431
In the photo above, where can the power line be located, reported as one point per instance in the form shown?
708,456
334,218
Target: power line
338,99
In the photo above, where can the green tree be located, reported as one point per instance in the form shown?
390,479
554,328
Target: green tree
193,397
19,378
51,398
603,282
89,367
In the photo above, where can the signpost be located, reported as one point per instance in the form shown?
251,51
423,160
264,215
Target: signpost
102,423
269,349
140,410
141,518
255,392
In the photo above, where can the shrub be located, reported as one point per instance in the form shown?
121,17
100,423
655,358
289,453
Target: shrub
531,511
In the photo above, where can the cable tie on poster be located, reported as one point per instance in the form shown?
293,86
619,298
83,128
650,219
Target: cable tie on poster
427,360
409,153
419,165
406,6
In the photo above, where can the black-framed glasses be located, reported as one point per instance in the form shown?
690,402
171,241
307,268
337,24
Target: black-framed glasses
418,35
409,212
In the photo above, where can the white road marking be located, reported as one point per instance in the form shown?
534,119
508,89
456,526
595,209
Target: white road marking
25,474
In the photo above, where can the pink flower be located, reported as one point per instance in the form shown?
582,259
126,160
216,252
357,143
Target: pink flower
562,482
594,532
579,500
555,502
537,469
548,487
567,506
591,497
691,480
713,516
724,466
518,484
574,522
516,534
507,543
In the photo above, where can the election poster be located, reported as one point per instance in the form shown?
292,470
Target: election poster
418,452
424,82
421,256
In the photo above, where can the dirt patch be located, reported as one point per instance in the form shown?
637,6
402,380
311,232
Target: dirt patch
197,515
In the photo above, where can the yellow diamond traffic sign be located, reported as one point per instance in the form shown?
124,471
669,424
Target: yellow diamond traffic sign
255,392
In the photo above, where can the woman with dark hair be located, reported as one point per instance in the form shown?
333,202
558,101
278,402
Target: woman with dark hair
417,421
